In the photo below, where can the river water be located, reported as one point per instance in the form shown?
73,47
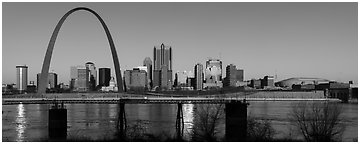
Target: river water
28,122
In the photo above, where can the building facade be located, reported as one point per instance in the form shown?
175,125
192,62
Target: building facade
112,86
255,83
104,76
213,74
148,63
267,82
52,80
144,68
199,77
176,80
73,77
21,78
91,74
136,79
190,83
162,73
234,77
82,82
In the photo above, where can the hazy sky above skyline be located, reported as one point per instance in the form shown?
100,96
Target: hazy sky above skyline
286,39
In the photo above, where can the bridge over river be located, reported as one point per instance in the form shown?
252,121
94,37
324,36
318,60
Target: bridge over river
152,100
112,98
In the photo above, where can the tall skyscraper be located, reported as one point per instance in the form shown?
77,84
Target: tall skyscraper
21,77
233,76
104,76
148,63
213,73
52,80
92,75
199,77
162,76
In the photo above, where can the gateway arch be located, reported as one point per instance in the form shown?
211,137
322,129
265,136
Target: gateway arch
47,59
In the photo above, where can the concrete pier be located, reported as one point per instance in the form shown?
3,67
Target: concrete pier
57,122
236,121
121,124
179,122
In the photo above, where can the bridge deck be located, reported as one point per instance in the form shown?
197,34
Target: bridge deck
148,100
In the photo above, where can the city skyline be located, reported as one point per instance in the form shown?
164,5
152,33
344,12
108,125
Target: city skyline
283,39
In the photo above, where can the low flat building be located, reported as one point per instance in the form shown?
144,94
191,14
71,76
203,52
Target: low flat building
287,83
31,89
112,86
255,83
303,87
267,82
336,90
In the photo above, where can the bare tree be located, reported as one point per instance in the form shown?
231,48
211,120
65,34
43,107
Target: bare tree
259,130
318,121
207,118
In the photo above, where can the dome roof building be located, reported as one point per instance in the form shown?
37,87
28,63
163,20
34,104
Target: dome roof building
300,80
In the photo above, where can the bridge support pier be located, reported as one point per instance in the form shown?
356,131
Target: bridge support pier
57,126
121,124
179,122
236,121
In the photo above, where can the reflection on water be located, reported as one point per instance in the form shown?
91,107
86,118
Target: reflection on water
28,122
188,120
21,123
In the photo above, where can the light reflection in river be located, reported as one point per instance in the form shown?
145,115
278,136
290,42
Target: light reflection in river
188,119
20,122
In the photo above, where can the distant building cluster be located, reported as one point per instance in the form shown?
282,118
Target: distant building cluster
157,75
86,78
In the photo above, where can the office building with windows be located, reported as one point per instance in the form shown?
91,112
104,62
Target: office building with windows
234,77
52,80
213,74
91,74
136,79
21,78
104,76
162,73
148,63
199,77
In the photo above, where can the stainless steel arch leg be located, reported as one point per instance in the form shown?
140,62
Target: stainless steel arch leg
47,59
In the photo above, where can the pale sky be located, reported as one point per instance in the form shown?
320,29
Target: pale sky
287,39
